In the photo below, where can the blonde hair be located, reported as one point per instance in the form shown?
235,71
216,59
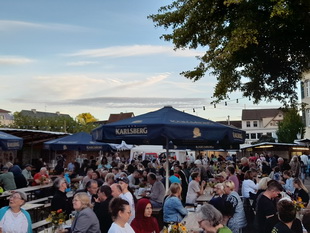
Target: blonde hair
229,184
84,199
300,184
262,184
109,176
220,186
174,189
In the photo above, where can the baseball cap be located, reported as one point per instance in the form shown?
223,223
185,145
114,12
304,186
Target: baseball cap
124,179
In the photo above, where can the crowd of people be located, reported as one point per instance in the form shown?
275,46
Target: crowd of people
261,193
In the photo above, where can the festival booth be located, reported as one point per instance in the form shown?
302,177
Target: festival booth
170,127
81,143
9,144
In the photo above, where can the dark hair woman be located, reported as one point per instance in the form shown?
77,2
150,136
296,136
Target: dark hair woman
120,212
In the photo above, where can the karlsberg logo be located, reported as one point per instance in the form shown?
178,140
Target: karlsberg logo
237,135
131,131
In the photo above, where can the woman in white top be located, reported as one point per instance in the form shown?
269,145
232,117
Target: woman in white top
13,218
248,185
120,212
127,195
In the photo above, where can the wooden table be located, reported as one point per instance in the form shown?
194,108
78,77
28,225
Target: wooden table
190,221
26,189
206,196
33,208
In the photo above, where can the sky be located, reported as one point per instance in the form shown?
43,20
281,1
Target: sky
101,57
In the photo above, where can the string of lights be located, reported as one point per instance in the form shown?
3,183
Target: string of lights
225,103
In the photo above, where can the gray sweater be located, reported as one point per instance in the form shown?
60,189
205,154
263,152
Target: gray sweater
85,221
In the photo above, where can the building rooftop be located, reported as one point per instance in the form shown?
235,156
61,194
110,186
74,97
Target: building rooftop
35,113
120,116
259,114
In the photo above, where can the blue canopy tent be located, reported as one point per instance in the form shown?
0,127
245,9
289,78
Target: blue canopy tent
168,125
80,142
10,142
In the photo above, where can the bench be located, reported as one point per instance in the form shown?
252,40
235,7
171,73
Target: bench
44,199
41,223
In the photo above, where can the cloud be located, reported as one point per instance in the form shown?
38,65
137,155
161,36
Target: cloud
14,60
135,50
82,63
124,102
9,25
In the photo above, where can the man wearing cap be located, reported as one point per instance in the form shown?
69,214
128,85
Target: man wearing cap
7,179
27,173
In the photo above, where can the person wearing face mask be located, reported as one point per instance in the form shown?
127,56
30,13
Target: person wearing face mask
144,222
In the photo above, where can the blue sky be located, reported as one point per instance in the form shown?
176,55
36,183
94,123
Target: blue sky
99,56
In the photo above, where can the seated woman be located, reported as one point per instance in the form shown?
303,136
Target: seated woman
238,219
218,200
173,208
301,191
85,220
120,212
144,222
288,185
211,220
249,188
13,218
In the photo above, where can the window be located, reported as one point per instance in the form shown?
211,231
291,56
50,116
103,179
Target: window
307,87
1,117
308,117
247,136
248,124
253,135
259,135
254,123
269,134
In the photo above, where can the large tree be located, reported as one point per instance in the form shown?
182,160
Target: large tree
258,47
85,118
291,126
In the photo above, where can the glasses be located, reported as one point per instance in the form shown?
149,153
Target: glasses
15,197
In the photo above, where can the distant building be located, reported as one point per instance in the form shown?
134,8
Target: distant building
236,124
120,116
258,122
37,114
305,99
6,117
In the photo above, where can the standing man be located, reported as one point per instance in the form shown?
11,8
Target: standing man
266,211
